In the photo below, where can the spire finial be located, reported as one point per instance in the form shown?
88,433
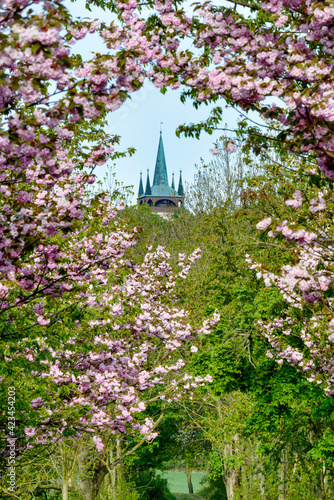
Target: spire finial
161,124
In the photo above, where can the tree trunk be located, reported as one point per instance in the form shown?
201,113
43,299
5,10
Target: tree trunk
237,482
284,461
64,489
90,485
229,476
190,484
229,483
65,479
92,474
119,471
113,473
322,495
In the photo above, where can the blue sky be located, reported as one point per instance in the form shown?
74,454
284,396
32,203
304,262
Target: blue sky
138,122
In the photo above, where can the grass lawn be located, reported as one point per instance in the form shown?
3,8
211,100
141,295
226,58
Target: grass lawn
178,481
187,496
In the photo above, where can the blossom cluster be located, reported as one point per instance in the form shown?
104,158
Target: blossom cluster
134,358
307,288
250,60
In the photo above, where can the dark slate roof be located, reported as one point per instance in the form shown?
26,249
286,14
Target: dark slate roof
180,191
141,188
160,186
160,172
148,191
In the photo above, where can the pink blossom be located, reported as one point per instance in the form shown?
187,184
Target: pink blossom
29,431
151,436
297,200
317,205
294,203
98,443
36,402
230,147
43,321
263,224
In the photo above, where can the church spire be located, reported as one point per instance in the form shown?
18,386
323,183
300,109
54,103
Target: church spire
173,183
148,191
160,172
180,191
141,188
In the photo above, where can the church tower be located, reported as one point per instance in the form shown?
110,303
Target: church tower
162,198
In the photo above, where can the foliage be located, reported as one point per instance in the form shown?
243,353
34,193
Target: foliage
214,490
151,486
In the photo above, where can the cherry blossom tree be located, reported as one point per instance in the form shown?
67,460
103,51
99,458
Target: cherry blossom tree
129,352
76,316
303,332
244,53
45,97
47,91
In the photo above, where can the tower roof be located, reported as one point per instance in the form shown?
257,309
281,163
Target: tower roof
148,190
141,188
180,191
160,186
160,172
